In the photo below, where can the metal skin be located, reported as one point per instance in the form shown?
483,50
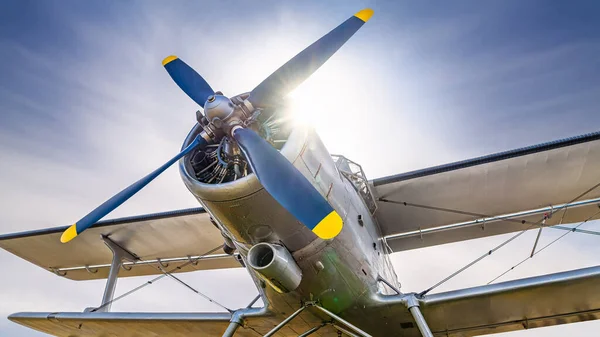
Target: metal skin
341,274
276,265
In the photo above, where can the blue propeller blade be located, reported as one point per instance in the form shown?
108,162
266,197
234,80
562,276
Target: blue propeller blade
299,68
188,79
119,198
288,186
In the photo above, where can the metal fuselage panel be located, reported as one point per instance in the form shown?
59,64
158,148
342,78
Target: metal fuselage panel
341,273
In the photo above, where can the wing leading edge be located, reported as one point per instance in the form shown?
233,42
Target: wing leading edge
439,205
171,237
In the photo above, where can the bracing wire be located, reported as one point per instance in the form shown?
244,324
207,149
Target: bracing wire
483,217
488,253
541,249
165,273
180,281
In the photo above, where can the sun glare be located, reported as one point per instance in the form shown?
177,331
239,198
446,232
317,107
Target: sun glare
316,102
326,102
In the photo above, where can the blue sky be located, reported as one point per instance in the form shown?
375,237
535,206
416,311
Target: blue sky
86,108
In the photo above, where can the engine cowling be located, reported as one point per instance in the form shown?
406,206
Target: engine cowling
235,198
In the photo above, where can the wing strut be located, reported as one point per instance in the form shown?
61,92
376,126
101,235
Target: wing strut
534,253
546,217
107,302
413,306
509,240
119,254
356,332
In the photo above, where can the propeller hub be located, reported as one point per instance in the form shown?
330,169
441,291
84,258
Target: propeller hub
218,106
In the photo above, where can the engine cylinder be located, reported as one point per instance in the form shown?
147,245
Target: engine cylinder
276,265
240,204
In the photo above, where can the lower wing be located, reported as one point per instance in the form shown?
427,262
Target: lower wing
547,300
256,322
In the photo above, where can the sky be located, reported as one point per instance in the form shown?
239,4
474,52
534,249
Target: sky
86,108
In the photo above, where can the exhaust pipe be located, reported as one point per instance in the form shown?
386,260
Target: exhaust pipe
276,265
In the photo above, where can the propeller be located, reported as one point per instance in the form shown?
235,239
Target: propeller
301,66
188,79
277,174
272,169
119,198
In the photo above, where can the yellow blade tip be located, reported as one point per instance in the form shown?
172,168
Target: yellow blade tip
329,227
168,59
69,234
364,14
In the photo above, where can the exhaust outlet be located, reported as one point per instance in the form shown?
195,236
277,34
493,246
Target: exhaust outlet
276,265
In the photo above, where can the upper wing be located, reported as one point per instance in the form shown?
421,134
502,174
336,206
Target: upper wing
170,236
534,302
438,205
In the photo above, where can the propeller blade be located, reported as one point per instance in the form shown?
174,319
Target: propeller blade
119,198
288,186
301,66
188,79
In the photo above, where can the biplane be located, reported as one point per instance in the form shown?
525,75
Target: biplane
315,234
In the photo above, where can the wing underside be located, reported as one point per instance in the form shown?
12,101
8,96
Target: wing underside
171,237
449,203
547,300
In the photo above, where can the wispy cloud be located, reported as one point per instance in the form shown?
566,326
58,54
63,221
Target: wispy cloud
86,108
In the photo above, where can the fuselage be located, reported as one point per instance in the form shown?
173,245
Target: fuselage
341,274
